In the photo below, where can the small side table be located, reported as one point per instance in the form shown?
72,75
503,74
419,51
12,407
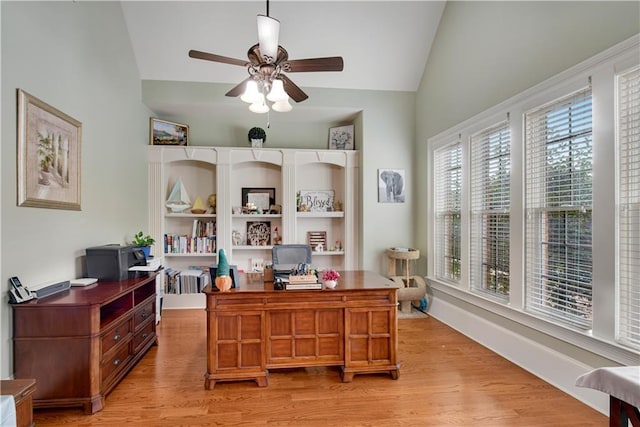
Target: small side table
412,288
22,391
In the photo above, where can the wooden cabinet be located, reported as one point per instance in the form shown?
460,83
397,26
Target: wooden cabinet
80,343
225,171
22,392
254,328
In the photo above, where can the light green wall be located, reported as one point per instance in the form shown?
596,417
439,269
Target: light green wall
76,56
487,52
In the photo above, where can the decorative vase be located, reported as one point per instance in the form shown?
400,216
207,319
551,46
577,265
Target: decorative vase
330,284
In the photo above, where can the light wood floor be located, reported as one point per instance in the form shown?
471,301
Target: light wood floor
445,380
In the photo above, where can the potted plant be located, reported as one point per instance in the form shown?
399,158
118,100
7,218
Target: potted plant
257,136
144,242
330,278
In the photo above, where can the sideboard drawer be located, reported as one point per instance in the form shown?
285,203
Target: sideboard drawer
146,332
144,313
114,363
116,335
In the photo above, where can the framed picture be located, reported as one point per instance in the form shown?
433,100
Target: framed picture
262,198
317,240
391,188
258,233
163,132
341,138
317,200
49,143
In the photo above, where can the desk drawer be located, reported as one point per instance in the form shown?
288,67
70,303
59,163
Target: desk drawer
115,336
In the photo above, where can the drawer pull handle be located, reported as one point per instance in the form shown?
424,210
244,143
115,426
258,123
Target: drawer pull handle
144,314
145,335
116,337
116,362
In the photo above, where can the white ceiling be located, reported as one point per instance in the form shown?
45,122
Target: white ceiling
384,44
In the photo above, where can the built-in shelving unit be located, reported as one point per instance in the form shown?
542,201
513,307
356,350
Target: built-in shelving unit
226,171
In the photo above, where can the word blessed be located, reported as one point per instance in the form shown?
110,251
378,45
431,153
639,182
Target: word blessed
318,201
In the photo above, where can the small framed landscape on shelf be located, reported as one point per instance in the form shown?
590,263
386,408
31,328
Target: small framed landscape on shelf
164,132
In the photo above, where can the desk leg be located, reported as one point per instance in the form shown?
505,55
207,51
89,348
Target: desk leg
620,413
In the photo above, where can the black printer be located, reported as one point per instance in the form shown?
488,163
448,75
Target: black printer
112,262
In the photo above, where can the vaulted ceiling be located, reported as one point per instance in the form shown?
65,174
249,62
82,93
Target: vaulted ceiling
385,44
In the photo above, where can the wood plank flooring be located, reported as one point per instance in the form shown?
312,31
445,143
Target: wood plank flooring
445,379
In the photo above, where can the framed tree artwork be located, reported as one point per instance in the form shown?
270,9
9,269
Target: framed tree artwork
49,143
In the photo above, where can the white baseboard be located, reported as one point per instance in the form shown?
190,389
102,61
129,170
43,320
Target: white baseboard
553,367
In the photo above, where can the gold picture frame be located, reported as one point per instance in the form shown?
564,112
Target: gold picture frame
164,132
49,154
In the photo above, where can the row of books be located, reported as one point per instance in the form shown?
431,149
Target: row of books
183,244
190,281
203,228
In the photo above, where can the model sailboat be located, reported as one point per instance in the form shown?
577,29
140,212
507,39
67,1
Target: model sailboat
178,199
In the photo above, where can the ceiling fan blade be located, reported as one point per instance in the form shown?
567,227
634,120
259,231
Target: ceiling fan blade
332,63
238,89
216,58
293,90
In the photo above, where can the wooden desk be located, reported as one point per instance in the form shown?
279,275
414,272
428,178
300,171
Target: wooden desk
22,392
80,343
254,328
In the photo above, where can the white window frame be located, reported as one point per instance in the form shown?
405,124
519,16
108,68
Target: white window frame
485,214
601,68
628,196
448,251
558,286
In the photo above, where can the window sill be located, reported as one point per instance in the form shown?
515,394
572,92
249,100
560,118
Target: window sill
582,339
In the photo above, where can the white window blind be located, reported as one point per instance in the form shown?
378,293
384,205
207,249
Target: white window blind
447,192
490,202
558,182
628,136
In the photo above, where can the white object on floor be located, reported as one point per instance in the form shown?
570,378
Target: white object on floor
7,411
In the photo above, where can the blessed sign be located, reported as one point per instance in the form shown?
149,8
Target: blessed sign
317,200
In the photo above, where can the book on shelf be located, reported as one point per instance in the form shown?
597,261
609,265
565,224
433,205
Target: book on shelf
189,281
183,244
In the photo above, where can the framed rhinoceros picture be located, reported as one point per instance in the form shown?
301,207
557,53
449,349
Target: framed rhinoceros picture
391,186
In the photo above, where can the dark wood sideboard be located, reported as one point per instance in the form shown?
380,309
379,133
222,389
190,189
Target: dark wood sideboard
254,328
80,343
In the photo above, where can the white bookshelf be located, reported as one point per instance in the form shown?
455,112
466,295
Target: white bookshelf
225,171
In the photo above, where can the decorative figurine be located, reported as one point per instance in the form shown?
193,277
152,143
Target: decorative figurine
223,279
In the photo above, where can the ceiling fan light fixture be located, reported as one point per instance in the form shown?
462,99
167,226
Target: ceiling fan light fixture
259,106
251,93
277,92
282,106
268,32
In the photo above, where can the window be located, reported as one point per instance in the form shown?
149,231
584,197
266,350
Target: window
448,187
628,139
490,200
558,181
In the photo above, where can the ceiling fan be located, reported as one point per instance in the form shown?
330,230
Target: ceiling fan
266,66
